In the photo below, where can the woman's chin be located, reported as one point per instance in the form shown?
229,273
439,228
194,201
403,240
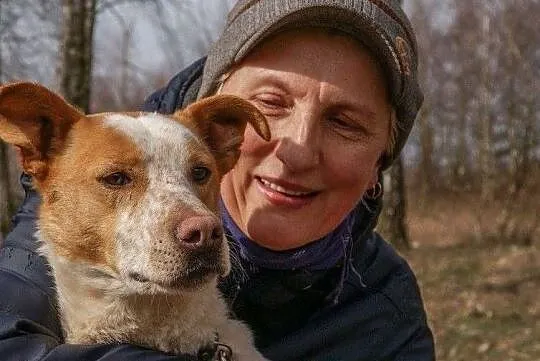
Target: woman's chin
280,233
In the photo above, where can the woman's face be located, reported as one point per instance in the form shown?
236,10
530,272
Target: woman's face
326,103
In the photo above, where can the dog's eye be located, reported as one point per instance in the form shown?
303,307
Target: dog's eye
200,174
117,179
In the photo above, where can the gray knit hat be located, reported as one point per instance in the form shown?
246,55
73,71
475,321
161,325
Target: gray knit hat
381,25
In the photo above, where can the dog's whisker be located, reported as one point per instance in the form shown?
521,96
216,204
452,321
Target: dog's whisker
236,263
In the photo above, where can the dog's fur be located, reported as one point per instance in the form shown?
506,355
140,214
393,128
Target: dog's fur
128,226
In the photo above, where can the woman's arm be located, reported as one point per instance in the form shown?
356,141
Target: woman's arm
29,324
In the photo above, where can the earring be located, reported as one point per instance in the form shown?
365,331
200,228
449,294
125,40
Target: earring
374,192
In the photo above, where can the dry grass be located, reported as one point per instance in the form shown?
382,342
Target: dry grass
482,297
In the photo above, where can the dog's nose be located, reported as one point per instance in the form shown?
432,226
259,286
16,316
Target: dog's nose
199,231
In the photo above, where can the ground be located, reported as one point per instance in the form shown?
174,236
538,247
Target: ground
482,296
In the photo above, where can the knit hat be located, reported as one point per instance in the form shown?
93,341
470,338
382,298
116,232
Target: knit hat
381,25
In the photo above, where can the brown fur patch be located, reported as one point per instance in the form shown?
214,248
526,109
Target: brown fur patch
220,121
36,121
79,211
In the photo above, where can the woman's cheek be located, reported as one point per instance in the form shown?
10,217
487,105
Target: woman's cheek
348,168
253,144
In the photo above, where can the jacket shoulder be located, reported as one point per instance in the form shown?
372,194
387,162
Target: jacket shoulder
181,90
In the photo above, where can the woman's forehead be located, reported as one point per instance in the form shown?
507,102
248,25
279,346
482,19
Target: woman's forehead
295,60
307,41
318,53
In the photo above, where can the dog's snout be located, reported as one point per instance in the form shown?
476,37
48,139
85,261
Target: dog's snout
199,231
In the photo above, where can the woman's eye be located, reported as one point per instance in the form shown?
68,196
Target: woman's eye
346,127
200,174
116,179
270,104
340,122
343,123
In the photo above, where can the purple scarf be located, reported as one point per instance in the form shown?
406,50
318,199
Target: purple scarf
321,254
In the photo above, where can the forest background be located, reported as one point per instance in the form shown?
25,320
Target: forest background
462,202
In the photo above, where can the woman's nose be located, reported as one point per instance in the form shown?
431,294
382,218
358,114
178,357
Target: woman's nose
299,143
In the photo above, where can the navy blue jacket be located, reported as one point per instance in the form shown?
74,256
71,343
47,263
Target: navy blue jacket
366,308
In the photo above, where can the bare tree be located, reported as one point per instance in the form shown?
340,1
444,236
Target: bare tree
393,225
426,169
5,197
76,66
4,174
428,172
480,130
29,40
117,77
520,120
486,158
193,41
10,195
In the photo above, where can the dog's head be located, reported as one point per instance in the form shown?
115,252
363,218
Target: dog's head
131,199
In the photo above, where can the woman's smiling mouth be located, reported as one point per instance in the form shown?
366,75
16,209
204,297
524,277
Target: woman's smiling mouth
283,190
285,194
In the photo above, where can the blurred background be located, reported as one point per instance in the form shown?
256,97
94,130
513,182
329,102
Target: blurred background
461,204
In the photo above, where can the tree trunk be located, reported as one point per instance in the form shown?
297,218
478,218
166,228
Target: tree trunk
459,176
394,211
76,67
427,169
393,225
519,132
4,189
486,159
11,193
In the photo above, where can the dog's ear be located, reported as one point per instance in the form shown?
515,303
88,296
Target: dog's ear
36,121
220,120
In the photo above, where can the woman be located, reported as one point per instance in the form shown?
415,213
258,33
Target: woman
337,82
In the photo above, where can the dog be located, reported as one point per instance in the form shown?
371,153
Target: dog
129,217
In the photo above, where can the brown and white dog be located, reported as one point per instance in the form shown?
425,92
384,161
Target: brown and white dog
129,216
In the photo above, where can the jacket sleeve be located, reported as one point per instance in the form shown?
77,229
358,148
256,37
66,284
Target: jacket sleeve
29,324
408,335
419,346
391,289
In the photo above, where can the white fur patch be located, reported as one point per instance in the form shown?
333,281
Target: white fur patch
163,142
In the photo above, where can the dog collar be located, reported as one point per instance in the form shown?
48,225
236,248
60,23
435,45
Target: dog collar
216,352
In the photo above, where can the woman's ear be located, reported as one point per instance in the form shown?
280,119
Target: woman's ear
375,176
374,187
